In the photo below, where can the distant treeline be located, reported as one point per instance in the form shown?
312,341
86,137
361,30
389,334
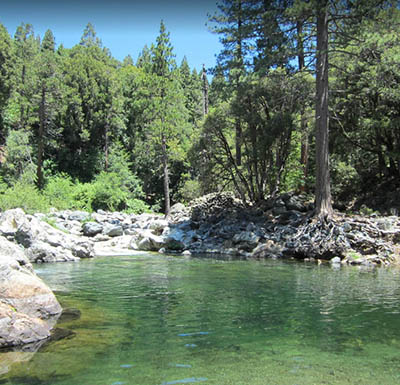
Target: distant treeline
80,129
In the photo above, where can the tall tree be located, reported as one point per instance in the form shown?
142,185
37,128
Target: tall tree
170,115
232,24
5,73
48,94
323,198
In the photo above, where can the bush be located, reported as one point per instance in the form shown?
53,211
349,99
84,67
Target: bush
190,190
25,196
137,206
59,191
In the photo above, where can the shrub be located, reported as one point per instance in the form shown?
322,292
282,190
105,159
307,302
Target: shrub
137,206
26,196
59,191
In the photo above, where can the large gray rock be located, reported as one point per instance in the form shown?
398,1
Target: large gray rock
147,241
178,238
28,308
43,252
43,242
79,216
246,240
10,220
113,230
90,229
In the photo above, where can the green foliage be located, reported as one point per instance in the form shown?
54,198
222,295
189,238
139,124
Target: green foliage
60,192
18,164
191,189
137,206
293,174
24,195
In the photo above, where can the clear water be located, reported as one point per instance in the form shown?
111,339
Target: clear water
152,320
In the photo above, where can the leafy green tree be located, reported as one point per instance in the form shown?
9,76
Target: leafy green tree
94,107
5,72
365,117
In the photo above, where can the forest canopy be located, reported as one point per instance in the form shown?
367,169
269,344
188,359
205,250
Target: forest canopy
305,97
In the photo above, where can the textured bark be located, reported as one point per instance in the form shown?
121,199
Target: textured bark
239,58
303,120
42,122
166,175
323,200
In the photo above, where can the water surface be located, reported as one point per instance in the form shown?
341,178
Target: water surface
153,319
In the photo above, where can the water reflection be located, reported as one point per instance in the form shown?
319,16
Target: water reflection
148,319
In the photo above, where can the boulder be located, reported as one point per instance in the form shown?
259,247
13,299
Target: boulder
147,241
82,249
90,229
40,251
247,240
28,308
10,220
79,216
113,230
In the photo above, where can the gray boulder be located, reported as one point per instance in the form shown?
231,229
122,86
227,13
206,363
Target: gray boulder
79,216
90,229
147,241
82,249
40,251
247,240
10,220
112,230
28,308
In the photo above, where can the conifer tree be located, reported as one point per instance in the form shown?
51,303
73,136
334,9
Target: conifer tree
169,120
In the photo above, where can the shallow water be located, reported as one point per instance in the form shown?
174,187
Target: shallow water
153,319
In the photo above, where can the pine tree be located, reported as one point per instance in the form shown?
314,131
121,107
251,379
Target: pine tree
5,73
170,114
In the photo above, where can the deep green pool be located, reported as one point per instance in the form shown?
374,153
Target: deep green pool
152,320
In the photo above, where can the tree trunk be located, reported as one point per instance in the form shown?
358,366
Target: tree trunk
106,144
42,117
303,120
239,58
166,175
323,200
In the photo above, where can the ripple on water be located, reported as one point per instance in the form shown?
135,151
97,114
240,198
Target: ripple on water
181,365
185,381
193,334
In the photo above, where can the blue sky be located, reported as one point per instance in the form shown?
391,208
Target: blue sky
123,26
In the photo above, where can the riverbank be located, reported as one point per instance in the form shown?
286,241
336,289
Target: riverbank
281,227
217,224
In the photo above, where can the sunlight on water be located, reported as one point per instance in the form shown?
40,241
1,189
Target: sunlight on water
153,320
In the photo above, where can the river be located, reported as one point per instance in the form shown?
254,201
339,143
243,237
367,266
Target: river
160,320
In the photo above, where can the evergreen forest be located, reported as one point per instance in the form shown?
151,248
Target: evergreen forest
305,97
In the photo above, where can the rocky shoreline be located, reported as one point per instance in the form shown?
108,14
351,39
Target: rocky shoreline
281,227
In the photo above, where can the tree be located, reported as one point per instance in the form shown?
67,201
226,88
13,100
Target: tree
365,103
169,119
89,37
49,96
5,73
323,199
232,24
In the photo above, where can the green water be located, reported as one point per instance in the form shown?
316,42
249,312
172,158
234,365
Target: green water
152,320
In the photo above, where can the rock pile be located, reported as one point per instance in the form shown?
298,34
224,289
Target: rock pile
281,226
41,241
